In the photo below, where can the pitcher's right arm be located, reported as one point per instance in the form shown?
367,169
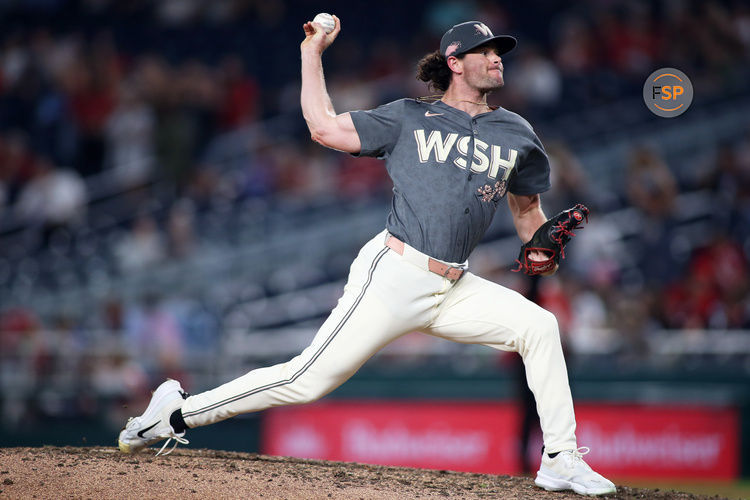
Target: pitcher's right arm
326,127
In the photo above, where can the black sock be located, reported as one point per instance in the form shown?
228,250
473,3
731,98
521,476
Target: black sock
553,455
177,422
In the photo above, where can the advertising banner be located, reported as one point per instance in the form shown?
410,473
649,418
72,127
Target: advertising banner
626,441
661,441
477,437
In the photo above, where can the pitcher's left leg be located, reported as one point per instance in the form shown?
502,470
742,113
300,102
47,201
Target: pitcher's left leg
477,311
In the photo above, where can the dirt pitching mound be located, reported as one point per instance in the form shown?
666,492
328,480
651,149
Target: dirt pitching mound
105,473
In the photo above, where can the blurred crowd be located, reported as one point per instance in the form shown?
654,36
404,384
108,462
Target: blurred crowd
169,110
101,86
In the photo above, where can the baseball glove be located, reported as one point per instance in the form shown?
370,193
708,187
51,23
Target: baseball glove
550,239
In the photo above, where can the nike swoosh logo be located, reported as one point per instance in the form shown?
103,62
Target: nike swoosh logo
428,114
142,431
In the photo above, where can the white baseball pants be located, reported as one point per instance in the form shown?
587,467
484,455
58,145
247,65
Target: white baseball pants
386,296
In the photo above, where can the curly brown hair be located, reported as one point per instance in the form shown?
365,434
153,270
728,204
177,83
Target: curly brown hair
433,69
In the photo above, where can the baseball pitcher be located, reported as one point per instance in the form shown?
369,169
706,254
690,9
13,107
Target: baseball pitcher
452,161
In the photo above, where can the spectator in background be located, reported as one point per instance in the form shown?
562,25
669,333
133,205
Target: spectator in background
689,302
17,324
240,104
112,314
723,173
186,112
536,79
93,96
259,175
53,133
713,292
153,333
591,330
728,176
650,185
152,77
129,132
175,136
727,264
201,98
203,188
652,190
116,375
289,172
634,324
180,229
53,198
142,247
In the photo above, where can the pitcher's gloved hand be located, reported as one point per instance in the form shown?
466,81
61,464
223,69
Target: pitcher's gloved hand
550,240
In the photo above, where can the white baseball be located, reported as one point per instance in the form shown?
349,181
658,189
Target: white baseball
326,21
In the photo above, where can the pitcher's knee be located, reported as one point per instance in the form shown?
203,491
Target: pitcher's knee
303,398
307,389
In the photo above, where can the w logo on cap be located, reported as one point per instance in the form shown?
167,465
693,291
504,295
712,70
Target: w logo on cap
465,36
483,29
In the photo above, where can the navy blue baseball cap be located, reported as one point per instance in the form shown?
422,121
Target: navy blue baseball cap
465,36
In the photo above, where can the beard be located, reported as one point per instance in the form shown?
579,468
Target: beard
487,84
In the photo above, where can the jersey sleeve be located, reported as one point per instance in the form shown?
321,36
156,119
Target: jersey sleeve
379,128
532,176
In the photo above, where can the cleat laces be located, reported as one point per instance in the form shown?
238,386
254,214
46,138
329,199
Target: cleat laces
575,457
170,437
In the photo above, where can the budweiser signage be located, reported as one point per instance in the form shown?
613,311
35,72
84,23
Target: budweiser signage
440,435
364,441
661,441
626,440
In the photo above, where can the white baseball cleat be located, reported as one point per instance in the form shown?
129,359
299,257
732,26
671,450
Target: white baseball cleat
153,425
568,471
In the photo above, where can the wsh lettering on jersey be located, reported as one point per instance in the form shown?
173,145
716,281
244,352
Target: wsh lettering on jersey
487,157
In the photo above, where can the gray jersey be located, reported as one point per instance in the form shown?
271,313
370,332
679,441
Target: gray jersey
450,170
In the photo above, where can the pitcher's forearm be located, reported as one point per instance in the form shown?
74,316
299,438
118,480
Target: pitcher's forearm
317,108
527,215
